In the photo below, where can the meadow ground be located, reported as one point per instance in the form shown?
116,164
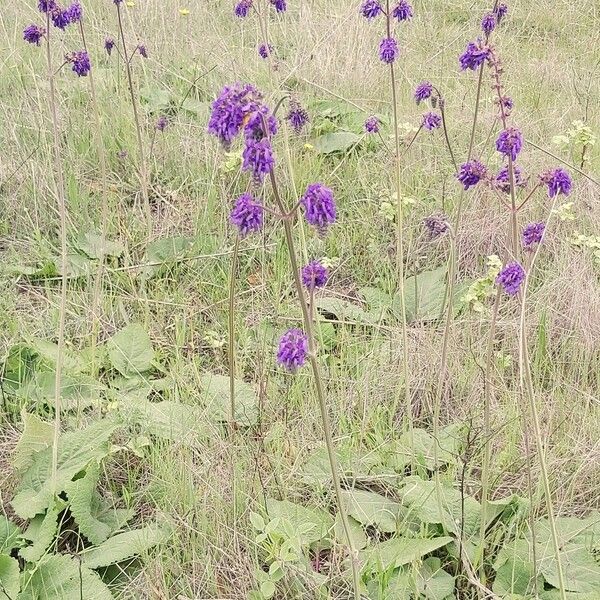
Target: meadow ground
172,461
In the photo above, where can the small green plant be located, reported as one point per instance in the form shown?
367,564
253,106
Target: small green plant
579,141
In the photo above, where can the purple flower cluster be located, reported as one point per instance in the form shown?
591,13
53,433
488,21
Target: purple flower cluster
503,179
34,34
488,23
314,275
297,116
161,123
533,234
109,44
510,142
471,173
423,91
511,278
558,182
280,5
143,51
80,62
258,158
474,56
46,5
264,50
247,215
431,121
501,11
388,50
293,350
319,206
372,124
403,11
242,8
436,225
371,9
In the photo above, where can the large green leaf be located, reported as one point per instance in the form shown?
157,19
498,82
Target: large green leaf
37,435
41,532
163,252
60,577
217,396
402,551
9,535
76,450
96,246
419,447
130,350
47,352
424,295
9,576
340,141
345,311
433,582
371,509
314,525
515,573
124,546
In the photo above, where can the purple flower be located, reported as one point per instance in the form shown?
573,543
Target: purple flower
143,51
254,129
431,121
280,5
161,123
372,124
242,8
247,215
33,34
388,50
501,11
314,275
558,182
510,142
293,349
423,91
403,11
507,104
264,50
109,44
46,5
471,173
503,179
533,234
75,12
258,158
474,56
117,1
230,110
488,24
60,17
371,9
297,117
511,277
81,62
436,225
319,206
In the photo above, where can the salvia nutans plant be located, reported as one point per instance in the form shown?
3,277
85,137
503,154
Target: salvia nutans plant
438,543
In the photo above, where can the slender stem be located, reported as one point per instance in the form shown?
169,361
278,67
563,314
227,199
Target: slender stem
476,114
62,209
231,349
138,128
312,354
446,135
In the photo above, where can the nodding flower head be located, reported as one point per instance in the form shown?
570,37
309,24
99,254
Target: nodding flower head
297,116
314,275
488,23
511,277
293,350
371,9
436,225
109,44
280,5
471,173
388,50
46,5
431,121
143,51
558,182
60,17
33,34
502,180
247,215
319,206
533,234
264,50
510,142
75,12
372,124
501,11
242,8
474,56
161,123
258,158
403,11
80,61
423,91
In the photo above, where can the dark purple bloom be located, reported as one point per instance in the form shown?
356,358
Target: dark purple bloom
117,1
75,12
471,173
46,5
558,182
388,50
488,24
161,123
533,234
510,142
242,8
474,56
297,117
293,349
264,50
231,109
507,104
109,44
81,62
503,179
423,91
319,206
501,11
371,9
511,277
60,17
314,275
403,11
431,121
258,158
254,129
33,34
436,225
280,5
143,51
247,215
372,124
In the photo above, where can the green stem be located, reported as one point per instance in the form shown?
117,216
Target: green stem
231,349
